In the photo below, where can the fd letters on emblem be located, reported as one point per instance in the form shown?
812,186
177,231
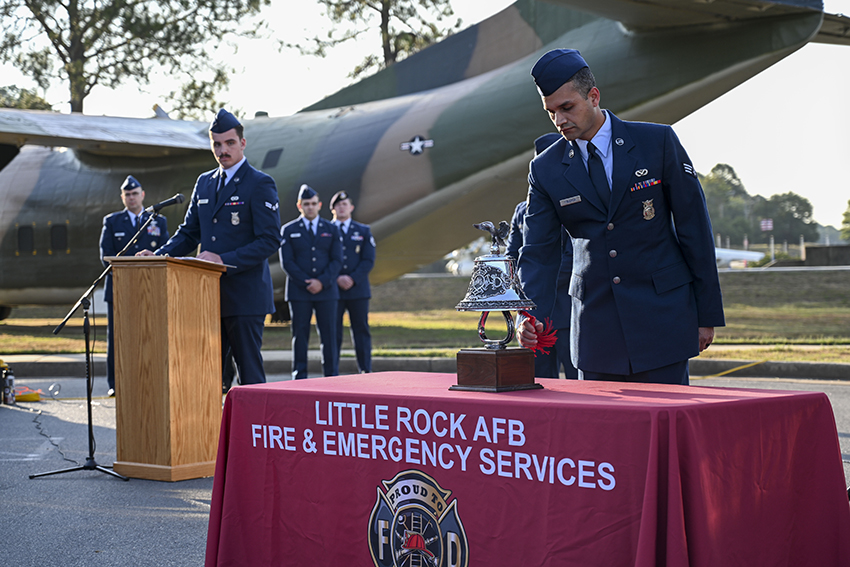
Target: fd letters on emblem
413,523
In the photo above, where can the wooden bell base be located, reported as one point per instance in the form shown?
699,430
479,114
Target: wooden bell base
485,370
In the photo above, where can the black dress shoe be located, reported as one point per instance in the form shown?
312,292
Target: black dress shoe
111,392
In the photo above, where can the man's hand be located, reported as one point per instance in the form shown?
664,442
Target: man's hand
314,286
345,282
706,336
527,335
144,253
210,257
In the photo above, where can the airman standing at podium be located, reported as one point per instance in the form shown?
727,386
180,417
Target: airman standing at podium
311,255
358,259
118,229
233,215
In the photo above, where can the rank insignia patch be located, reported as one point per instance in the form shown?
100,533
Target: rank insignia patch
413,523
689,169
648,210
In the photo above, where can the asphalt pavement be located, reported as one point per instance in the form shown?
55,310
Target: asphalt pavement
89,518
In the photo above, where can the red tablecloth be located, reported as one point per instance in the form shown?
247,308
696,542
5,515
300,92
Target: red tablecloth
372,469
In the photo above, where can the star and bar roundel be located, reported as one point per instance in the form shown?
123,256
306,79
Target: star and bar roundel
416,145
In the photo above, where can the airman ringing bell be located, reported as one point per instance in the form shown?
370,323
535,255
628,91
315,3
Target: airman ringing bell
494,286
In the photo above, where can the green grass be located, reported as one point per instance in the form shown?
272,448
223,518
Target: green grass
780,333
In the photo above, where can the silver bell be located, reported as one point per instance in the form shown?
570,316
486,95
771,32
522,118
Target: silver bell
494,286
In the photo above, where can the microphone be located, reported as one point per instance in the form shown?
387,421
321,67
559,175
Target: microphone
175,200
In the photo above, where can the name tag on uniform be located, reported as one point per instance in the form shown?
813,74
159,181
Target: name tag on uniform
119,234
295,235
203,201
571,201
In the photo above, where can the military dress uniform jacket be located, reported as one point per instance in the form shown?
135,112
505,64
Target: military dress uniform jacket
242,225
514,242
304,256
358,259
641,287
117,232
563,304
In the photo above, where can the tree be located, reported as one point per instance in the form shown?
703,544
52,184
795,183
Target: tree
792,217
13,97
729,204
94,42
845,224
406,26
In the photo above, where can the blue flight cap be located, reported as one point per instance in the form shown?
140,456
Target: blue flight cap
130,183
544,141
306,192
555,68
223,122
338,196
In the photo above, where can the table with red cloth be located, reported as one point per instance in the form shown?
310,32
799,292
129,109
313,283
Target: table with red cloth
395,469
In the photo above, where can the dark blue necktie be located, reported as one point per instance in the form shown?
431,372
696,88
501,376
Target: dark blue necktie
221,179
596,170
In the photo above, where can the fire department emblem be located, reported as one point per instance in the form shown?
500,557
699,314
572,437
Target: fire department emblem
648,210
234,218
414,525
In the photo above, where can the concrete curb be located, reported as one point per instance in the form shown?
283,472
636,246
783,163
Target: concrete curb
278,362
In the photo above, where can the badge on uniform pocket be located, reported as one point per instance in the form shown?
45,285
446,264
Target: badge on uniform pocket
648,210
234,218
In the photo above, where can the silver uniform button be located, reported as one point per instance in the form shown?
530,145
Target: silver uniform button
616,279
610,226
215,221
213,239
613,253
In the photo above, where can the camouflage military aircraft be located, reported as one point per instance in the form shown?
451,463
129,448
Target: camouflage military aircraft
426,148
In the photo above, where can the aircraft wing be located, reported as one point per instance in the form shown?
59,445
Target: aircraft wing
104,135
835,30
639,14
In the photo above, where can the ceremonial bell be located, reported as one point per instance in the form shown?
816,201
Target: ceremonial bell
494,286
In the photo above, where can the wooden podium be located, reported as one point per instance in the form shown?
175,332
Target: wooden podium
167,326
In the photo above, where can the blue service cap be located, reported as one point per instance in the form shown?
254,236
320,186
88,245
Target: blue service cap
130,183
544,141
555,68
338,196
223,122
306,192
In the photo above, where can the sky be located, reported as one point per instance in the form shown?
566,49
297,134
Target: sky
786,129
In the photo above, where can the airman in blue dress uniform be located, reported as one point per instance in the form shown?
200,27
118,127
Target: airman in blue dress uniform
311,256
645,290
233,215
118,229
358,259
549,365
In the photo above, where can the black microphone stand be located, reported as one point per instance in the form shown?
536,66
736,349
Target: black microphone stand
84,300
